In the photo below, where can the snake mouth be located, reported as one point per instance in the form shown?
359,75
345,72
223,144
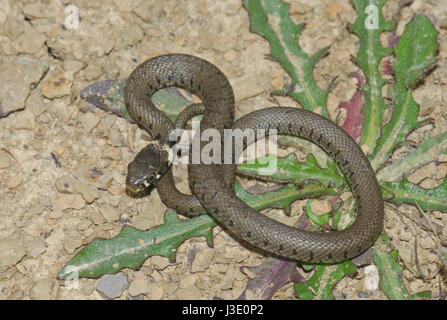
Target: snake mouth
139,190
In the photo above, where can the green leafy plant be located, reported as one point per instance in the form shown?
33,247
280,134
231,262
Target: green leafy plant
414,55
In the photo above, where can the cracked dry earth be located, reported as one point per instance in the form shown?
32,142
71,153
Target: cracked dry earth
63,161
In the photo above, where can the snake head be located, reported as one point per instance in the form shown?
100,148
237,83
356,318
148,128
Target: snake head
147,167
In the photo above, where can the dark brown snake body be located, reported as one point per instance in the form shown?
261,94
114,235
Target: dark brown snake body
211,184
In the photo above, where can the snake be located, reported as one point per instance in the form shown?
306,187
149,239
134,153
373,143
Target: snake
212,184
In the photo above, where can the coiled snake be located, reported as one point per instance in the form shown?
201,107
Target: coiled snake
212,184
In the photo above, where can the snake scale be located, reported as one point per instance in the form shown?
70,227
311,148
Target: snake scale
211,183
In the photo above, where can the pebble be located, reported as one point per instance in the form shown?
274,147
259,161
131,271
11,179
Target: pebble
73,65
139,285
149,10
69,185
249,86
111,286
29,42
97,178
320,207
443,235
5,160
159,262
110,214
11,252
35,103
44,290
372,278
67,201
189,294
17,77
34,11
92,72
72,244
14,182
23,120
89,121
57,86
202,259
156,291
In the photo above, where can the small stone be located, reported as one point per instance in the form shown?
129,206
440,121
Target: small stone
111,214
35,104
83,224
443,236
14,181
67,201
23,120
89,121
17,77
5,160
159,262
58,86
156,291
202,259
320,207
123,5
12,28
188,281
149,11
34,11
97,218
371,279
207,38
72,244
189,294
37,251
73,65
11,252
29,42
67,184
44,290
92,72
93,176
250,86
419,175
132,35
111,286
345,196
139,285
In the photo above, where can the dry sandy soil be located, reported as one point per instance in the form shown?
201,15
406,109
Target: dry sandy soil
53,137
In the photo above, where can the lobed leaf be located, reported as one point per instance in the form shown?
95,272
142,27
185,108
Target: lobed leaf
407,192
290,168
131,247
271,20
415,54
390,271
368,26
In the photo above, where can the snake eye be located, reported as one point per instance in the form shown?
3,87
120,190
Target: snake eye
151,178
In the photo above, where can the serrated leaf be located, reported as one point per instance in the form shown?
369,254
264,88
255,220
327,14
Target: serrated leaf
131,247
407,192
390,271
368,26
109,96
415,54
322,282
290,168
427,152
271,20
